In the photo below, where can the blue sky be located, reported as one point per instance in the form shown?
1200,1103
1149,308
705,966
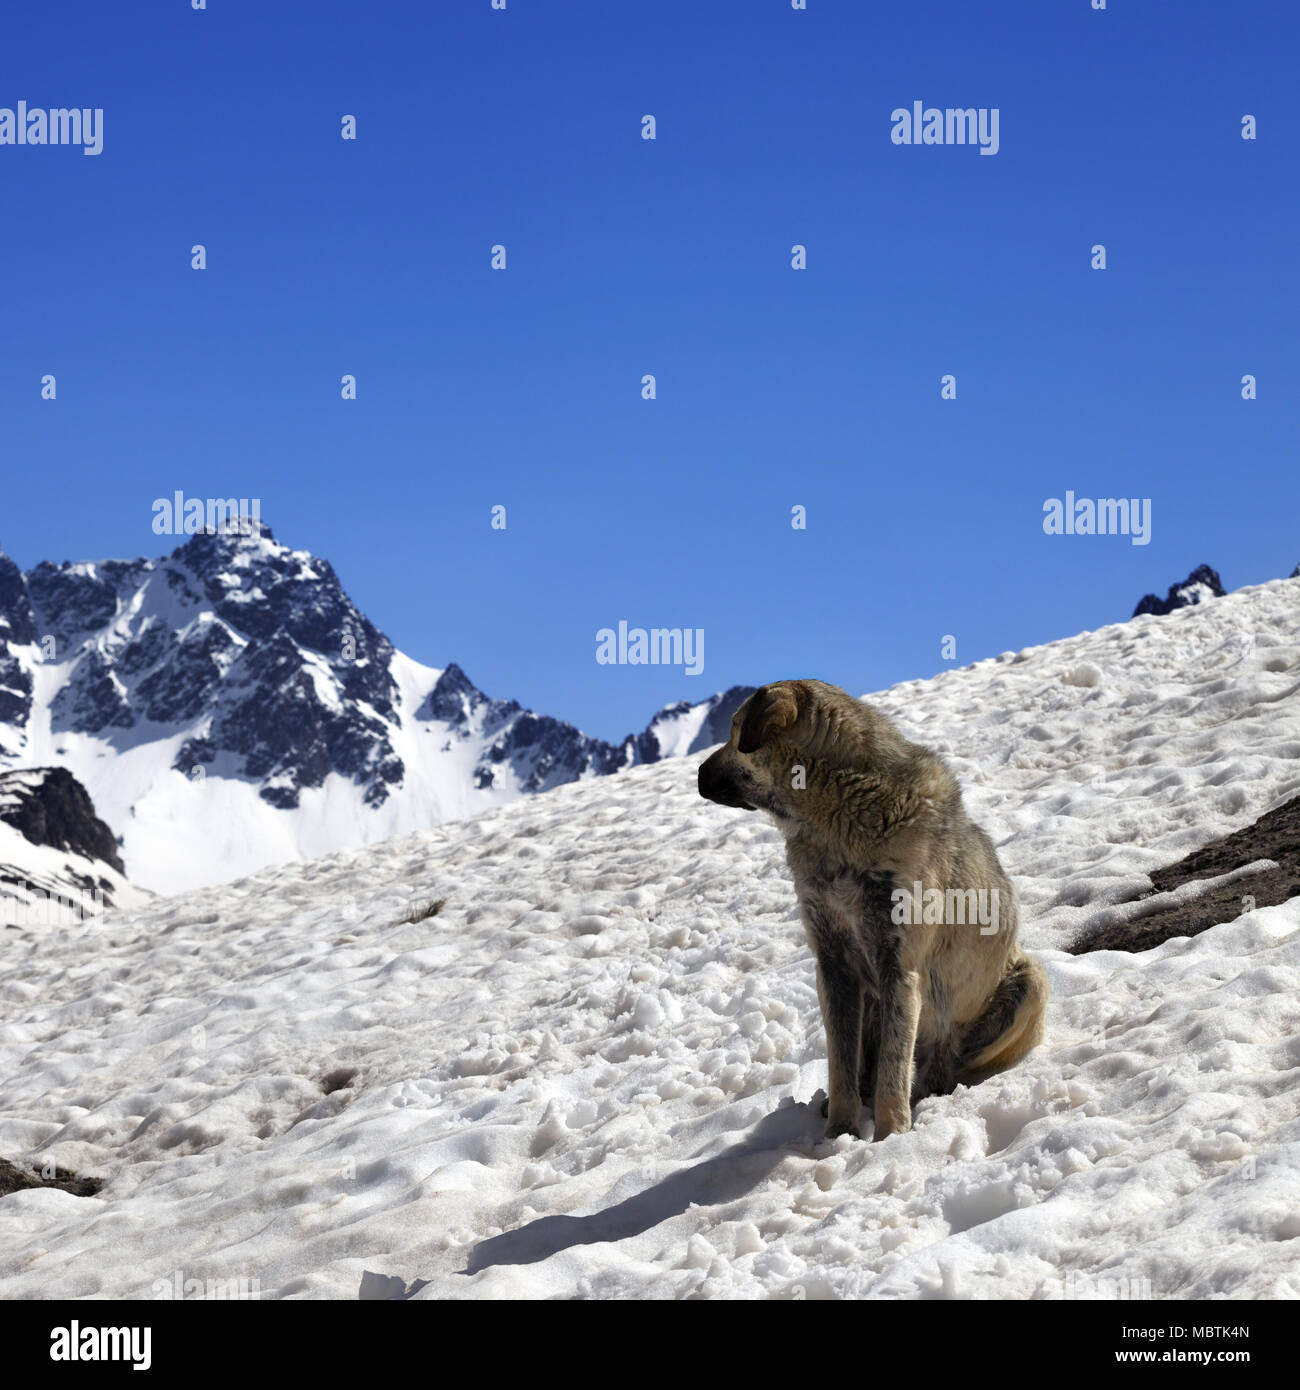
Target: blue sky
776,387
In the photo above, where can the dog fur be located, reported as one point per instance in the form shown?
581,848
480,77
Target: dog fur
912,1007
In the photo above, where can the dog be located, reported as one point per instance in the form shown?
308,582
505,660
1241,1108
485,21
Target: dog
887,866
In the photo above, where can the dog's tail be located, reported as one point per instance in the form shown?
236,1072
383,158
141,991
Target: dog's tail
1012,1026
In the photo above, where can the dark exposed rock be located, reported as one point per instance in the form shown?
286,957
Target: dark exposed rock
1200,586
15,1179
16,629
454,697
15,692
92,700
48,806
152,645
184,676
1275,836
261,591
274,718
71,601
15,606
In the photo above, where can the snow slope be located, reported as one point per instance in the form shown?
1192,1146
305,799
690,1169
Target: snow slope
590,1072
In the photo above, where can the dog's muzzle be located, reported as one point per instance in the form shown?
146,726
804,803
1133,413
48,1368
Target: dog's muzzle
718,784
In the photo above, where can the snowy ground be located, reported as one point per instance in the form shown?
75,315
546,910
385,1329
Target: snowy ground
589,1073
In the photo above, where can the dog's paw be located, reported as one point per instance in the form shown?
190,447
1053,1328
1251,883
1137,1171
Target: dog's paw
887,1123
843,1124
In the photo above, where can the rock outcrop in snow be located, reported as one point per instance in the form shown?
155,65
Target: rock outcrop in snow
1200,586
57,858
48,806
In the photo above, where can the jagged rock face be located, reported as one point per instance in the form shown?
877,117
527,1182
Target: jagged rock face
541,752
182,671
673,731
265,590
1200,586
548,752
259,642
273,716
15,607
303,676
456,699
15,691
16,630
48,806
92,701
71,602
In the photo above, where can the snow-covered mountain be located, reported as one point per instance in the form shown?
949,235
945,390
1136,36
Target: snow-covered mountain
570,1048
229,707
58,861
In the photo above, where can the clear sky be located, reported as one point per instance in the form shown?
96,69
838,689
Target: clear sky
775,387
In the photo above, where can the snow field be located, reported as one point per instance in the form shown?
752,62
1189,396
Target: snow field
594,1072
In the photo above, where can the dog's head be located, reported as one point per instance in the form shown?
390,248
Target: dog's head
752,767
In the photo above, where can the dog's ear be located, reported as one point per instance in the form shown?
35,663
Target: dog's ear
771,711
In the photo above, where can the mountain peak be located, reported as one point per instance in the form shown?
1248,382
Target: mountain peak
1200,586
236,533
232,692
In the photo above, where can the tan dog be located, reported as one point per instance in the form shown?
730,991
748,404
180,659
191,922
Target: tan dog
911,918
